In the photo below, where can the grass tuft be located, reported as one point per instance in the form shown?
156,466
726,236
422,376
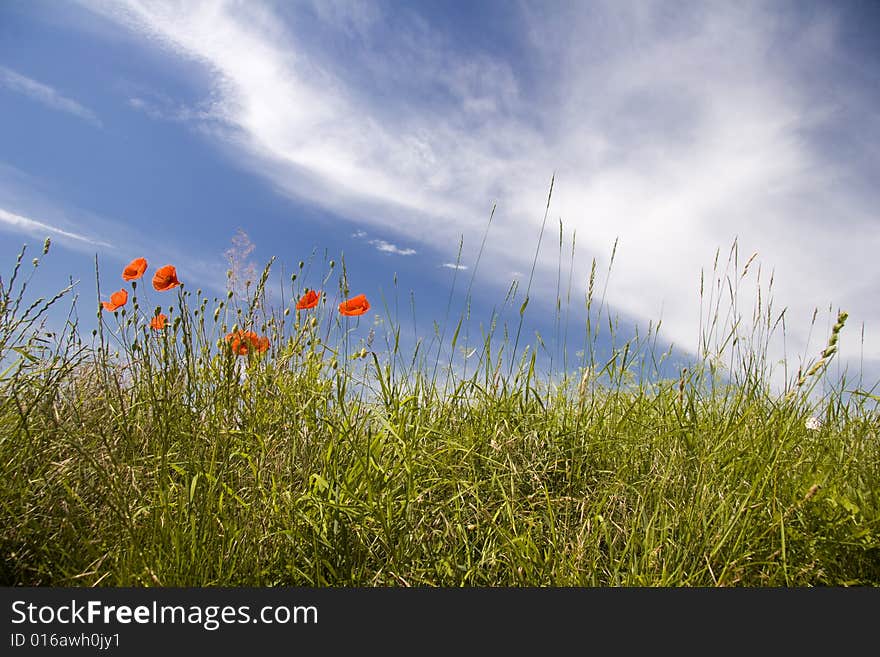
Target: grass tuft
144,457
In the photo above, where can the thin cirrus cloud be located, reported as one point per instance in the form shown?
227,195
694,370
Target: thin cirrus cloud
39,229
25,209
45,95
677,130
212,276
162,108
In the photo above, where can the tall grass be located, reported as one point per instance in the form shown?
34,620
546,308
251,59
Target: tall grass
137,457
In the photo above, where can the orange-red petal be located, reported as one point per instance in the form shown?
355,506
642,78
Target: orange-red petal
165,278
355,306
117,300
235,342
158,322
241,342
308,300
134,270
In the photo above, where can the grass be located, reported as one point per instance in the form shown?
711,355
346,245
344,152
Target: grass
133,457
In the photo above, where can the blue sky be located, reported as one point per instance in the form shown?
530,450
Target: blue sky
386,132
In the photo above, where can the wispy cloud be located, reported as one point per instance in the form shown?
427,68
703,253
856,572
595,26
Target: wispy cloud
674,130
162,108
46,95
383,245
452,265
30,206
39,228
388,247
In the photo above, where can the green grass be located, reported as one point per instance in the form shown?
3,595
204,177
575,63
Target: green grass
133,458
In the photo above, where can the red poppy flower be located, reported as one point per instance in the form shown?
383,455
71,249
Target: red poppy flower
238,341
308,300
243,341
158,322
165,278
117,300
134,270
355,306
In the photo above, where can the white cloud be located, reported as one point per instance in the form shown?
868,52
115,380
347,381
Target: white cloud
387,247
452,265
39,228
212,276
27,207
162,108
382,245
676,131
45,94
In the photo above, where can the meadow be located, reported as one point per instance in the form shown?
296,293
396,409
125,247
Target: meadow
192,440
